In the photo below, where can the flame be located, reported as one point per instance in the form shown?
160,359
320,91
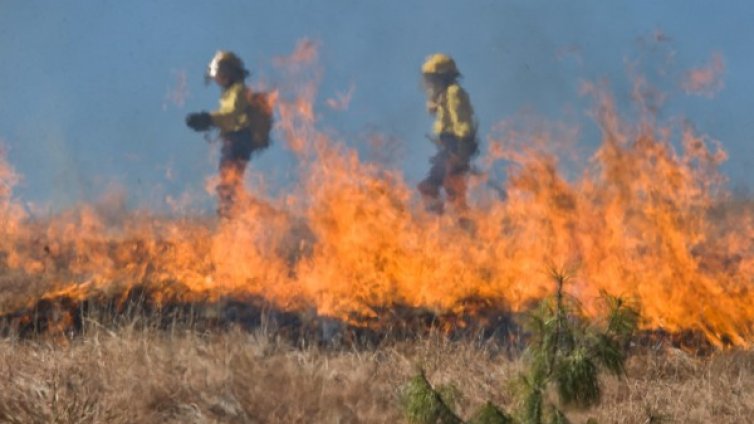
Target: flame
342,100
705,80
645,220
304,54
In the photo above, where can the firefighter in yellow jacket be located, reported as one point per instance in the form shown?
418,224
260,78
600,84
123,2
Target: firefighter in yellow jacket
454,133
235,119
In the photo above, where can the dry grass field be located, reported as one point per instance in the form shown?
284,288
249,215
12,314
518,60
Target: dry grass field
139,374
138,369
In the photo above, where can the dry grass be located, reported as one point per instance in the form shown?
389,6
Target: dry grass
133,374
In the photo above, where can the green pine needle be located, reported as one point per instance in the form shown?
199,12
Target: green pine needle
622,318
565,351
608,352
423,405
533,407
490,414
576,380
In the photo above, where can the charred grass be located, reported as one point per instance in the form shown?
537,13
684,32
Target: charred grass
135,372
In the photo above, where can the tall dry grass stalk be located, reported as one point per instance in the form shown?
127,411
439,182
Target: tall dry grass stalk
136,373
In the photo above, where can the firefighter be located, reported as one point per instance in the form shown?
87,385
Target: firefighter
453,132
238,123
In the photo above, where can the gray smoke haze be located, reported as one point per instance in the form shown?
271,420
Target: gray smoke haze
94,96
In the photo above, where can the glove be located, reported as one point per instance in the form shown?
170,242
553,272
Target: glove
201,121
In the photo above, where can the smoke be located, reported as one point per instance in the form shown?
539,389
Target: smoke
8,178
12,215
304,54
342,100
302,74
705,80
570,52
179,92
351,240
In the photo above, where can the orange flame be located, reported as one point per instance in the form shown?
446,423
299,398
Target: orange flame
645,220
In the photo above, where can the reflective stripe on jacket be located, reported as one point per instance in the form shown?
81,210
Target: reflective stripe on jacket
454,114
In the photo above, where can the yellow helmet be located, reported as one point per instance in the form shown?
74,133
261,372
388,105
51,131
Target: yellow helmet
440,64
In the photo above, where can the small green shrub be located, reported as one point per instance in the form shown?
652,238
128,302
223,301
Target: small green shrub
490,414
422,404
566,352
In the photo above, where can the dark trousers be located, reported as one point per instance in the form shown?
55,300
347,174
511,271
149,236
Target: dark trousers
449,170
235,154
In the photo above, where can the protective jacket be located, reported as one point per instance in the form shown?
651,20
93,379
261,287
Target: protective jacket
453,114
234,113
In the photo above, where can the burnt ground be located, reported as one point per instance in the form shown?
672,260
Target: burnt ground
475,319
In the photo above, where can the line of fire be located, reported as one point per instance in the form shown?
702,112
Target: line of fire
353,252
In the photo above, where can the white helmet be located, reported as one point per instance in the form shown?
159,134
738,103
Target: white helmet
227,61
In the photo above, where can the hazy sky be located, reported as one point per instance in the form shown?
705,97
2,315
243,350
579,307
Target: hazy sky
85,86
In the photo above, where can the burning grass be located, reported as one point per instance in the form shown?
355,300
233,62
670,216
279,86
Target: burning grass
313,306
162,306
649,218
